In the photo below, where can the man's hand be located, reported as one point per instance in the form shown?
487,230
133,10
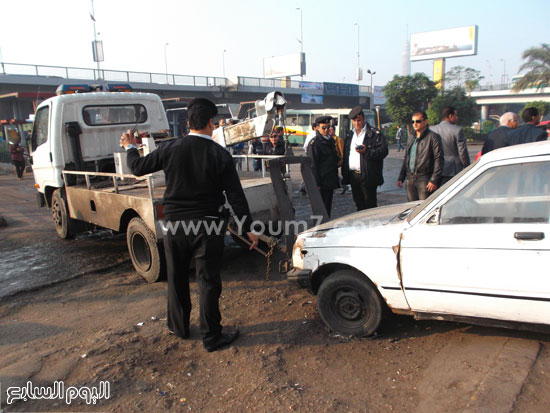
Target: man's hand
399,184
361,149
431,187
127,138
253,238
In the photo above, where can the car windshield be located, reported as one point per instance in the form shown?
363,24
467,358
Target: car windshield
416,210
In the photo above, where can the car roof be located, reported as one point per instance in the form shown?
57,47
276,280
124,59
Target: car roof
517,151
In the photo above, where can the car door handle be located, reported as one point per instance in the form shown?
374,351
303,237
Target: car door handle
529,236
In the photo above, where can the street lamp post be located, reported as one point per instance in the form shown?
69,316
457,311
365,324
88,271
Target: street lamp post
504,80
223,62
166,62
371,73
301,37
358,77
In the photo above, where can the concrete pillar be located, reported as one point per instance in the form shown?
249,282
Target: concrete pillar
484,109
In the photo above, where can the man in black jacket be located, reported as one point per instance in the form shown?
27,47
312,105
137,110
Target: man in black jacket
423,161
324,161
198,171
363,160
495,139
528,132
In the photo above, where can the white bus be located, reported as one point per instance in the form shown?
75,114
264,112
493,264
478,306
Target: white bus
298,122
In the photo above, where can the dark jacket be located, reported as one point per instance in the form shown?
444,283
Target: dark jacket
372,161
257,147
17,153
524,134
429,158
453,144
278,150
198,171
324,161
495,139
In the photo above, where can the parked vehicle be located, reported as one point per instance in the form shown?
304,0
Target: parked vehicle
80,170
477,250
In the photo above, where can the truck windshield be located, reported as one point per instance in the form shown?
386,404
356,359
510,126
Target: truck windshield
101,115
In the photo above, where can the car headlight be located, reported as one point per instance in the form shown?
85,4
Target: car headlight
297,257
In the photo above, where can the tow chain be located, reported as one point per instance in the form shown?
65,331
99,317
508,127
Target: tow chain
271,243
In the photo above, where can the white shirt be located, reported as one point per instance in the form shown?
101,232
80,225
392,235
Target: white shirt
354,156
309,137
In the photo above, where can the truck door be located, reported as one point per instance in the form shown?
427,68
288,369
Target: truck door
41,151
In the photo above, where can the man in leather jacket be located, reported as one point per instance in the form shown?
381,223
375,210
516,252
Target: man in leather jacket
363,160
423,162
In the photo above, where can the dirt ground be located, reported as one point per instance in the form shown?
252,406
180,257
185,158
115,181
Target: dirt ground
109,325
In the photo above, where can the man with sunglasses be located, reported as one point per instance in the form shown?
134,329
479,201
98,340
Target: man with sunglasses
363,161
324,161
423,162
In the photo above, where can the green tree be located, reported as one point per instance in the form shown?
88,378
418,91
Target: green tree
538,64
457,98
407,94
539,104
460,76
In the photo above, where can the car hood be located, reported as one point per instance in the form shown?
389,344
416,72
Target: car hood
372,227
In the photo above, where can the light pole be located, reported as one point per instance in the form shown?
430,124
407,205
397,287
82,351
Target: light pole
358,77
504,82
371,73
96,47
166,62
223,62
301,38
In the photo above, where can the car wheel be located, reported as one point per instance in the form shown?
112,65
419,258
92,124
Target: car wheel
147,256
350,304
60,215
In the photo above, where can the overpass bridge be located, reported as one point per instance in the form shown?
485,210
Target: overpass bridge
498,99
23,86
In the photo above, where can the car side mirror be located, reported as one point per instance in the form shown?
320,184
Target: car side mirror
434,218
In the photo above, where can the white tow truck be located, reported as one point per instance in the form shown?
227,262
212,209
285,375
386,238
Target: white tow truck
80,171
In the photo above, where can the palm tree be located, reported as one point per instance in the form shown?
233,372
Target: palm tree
538,63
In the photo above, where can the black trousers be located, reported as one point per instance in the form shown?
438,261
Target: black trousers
416,188
326,196
19,168
205,250
364,196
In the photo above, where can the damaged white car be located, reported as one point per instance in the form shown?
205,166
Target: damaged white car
477,250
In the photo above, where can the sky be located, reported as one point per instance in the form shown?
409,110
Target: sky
208,37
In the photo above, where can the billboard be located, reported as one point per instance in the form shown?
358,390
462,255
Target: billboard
378,96
316,99
285,66
460,41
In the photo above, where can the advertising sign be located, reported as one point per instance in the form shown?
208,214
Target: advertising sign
312,85
285,66
307,98
379,98
460,41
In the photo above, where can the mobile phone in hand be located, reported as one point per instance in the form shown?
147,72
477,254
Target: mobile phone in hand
359,147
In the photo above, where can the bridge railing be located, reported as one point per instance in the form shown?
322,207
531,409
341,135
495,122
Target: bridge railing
78,73
109,75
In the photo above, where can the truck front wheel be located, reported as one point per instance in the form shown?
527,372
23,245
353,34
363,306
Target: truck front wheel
60,215
147,257
350,304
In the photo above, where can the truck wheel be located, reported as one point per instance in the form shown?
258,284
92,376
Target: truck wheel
147,257
350,304
60,214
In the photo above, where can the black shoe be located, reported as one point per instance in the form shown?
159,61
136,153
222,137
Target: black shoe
222,341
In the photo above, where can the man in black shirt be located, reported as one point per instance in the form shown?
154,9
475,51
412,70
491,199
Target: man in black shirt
198,171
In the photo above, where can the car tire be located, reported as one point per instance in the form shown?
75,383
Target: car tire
60,214
146,255
350,304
